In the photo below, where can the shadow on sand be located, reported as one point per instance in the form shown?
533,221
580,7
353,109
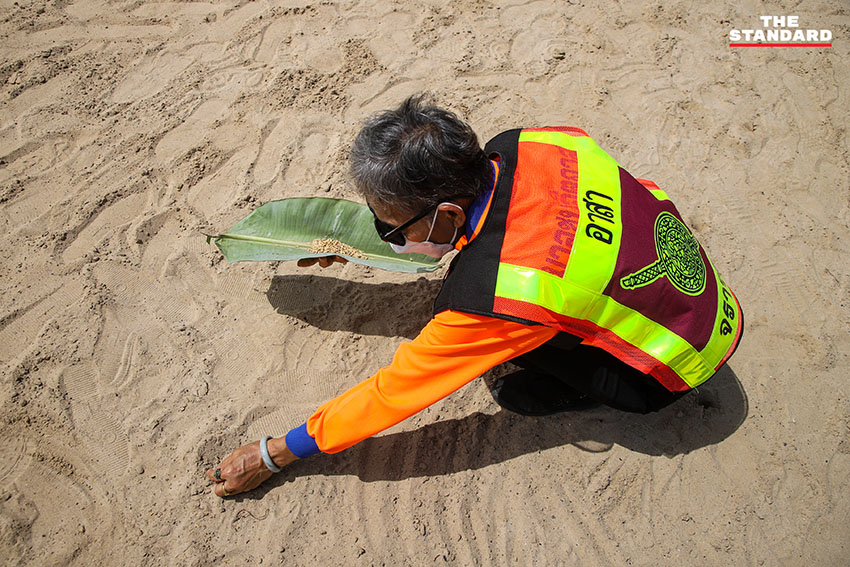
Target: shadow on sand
332,304
706,416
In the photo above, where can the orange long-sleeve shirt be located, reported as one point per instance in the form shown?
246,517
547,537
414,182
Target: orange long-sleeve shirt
453,349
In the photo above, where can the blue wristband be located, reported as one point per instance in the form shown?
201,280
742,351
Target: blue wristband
267,459
301,443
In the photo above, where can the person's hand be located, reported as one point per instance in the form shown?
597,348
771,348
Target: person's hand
324,261
244,469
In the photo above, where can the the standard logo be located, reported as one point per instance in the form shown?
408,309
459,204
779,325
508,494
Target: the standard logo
679,258
780,31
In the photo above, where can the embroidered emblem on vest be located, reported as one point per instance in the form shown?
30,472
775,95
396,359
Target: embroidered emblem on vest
678,258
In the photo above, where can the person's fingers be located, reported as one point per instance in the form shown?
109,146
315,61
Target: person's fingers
221,491
211,475
323,261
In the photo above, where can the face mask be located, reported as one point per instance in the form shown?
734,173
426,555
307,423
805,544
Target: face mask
428,248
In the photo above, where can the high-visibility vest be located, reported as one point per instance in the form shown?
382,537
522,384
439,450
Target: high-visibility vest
572,241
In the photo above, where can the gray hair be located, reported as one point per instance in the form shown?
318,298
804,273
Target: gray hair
417,155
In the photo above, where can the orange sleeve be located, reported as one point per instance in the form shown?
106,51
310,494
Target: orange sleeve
452,350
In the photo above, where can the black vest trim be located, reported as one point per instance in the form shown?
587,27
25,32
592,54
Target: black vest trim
470,285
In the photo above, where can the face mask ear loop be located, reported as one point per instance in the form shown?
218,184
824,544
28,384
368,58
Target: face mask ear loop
451,242
433,222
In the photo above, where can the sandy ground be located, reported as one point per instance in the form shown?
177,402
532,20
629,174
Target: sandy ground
133,357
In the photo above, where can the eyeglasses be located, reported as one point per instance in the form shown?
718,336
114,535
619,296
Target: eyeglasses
393,234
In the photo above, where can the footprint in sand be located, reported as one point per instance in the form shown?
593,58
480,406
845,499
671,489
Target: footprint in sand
55,510
14,459
102,434
117,351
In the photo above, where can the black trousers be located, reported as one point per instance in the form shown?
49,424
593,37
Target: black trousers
597,374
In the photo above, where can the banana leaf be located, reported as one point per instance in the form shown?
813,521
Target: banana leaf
285,230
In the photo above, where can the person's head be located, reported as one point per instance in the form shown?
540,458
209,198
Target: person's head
415,158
